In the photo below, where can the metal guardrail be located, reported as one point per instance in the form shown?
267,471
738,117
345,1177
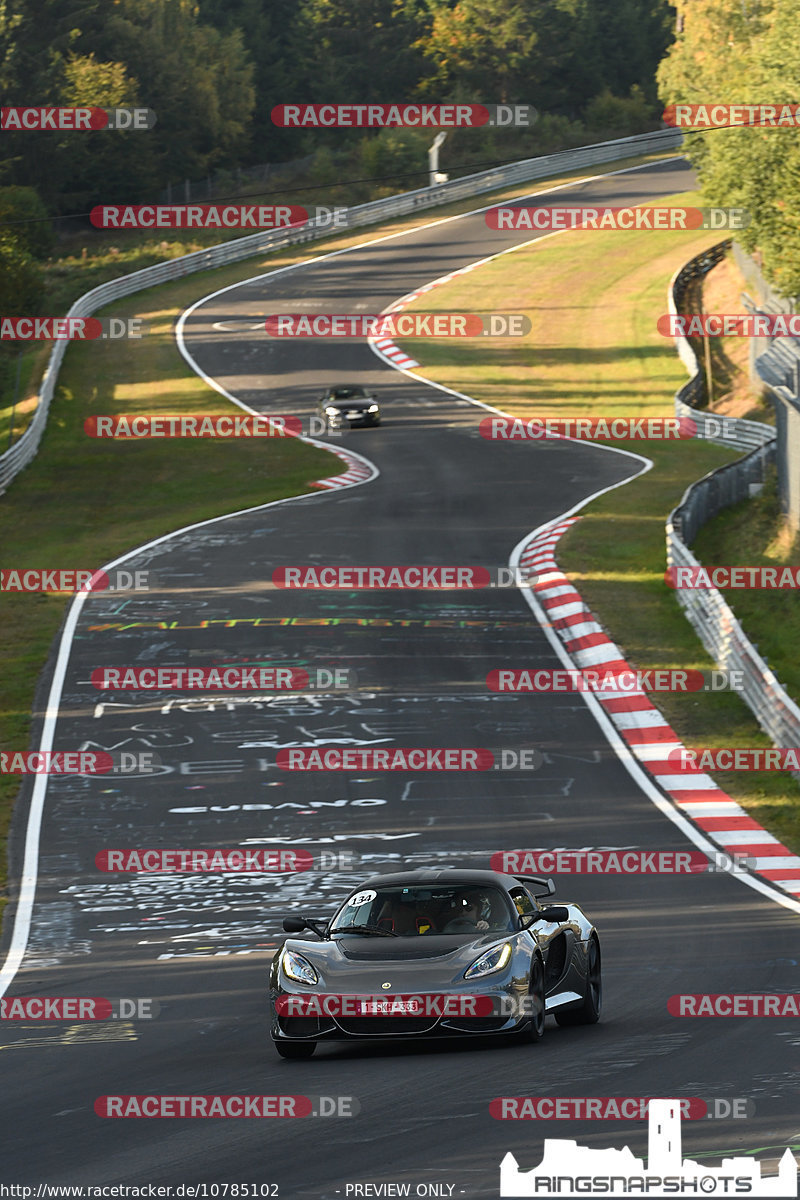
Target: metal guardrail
18,457
706,609
741,434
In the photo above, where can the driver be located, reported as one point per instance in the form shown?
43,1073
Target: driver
467,911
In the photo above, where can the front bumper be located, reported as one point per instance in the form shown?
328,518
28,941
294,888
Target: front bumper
333,1027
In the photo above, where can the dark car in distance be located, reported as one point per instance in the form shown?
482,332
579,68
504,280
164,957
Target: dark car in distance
349,404
435,953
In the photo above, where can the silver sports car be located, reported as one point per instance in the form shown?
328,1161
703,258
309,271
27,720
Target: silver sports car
431,954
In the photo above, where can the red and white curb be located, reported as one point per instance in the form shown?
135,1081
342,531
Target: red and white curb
393,354
385,348
646,733
358,471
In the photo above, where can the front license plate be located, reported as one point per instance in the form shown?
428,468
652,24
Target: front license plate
389,1008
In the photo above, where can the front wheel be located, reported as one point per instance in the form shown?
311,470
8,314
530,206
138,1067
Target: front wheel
295,1049
536,1002
589,1012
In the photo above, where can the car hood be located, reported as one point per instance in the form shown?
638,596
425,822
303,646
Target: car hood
422,963
349,405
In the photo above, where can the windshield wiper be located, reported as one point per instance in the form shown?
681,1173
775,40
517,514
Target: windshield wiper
367,929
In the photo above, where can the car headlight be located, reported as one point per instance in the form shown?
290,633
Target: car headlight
372,408
298,968
332,412
493,960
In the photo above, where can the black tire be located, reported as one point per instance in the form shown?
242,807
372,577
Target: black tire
295,1049
589,1012
536,994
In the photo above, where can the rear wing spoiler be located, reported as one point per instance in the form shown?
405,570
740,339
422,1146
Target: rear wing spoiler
539,887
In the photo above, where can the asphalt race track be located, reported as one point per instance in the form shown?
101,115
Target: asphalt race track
200,944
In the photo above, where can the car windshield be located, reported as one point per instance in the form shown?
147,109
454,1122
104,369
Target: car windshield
347,393
437,909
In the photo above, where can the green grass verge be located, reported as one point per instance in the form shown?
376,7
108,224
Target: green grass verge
83,502
594,299
754,533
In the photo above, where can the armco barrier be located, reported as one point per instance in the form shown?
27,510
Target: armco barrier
706,609
13,461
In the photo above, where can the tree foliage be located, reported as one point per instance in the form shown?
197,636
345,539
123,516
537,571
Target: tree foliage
212,70
735,52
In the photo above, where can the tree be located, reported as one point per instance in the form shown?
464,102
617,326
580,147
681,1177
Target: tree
24,221
730,52
482,49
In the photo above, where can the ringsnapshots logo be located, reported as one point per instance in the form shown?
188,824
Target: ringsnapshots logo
726,116
76,329
358,326
552,218
567,1169
216,216
411,116
617,860
46,118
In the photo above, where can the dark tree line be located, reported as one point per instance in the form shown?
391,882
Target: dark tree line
213,69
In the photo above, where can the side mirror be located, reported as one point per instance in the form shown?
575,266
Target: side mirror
554,912
299,924
294,925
